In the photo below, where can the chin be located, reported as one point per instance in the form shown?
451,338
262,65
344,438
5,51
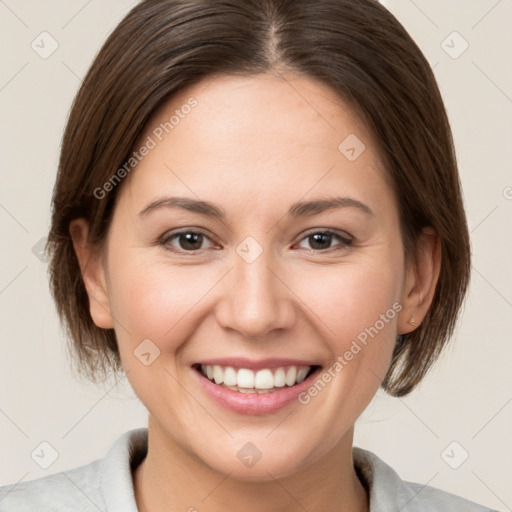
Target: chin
244,461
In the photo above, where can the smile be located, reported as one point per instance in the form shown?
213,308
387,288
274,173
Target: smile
253,388
266,380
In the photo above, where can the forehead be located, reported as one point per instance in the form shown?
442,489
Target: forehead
262,109
267,135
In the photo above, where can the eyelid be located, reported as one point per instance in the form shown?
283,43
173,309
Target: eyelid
346,238
341,234
164,239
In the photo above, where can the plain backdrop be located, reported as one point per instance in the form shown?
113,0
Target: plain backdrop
453,432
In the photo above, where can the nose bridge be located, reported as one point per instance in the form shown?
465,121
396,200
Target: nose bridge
255,301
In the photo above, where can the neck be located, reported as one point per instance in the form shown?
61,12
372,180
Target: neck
170,478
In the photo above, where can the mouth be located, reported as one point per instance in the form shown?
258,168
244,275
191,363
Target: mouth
251,381
255,387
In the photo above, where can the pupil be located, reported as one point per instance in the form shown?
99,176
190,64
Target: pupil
191,241
318,238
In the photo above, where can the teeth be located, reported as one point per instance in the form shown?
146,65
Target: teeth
218,375
248,381
291,376
245,378
230,377
279,378
264,380
301,375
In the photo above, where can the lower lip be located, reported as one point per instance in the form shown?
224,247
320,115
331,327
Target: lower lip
254,403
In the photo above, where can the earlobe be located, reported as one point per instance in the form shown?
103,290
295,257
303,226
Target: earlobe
93,274
421,278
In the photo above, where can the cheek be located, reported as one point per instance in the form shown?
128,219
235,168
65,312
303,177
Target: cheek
356,308
146,301
347,299
156,300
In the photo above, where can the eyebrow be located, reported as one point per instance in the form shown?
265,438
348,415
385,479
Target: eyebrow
300,209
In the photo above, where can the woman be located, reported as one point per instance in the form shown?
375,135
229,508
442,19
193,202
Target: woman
258,218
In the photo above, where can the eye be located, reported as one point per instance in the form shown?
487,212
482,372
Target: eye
321,240
185,241
189,241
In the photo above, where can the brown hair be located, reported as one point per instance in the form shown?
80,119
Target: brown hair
357,48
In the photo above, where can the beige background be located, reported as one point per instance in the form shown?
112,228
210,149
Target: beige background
468,396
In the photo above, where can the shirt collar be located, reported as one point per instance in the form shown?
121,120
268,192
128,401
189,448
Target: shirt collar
383,484
385,488
116,475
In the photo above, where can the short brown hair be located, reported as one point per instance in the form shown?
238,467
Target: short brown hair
357,48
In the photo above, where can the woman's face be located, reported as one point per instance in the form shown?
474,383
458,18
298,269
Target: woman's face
265,276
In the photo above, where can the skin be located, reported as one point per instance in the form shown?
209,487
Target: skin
253,146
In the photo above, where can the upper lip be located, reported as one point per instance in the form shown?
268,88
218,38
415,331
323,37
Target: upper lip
253,364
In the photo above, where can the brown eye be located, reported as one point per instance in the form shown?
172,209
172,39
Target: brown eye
185,241
190,241
322,240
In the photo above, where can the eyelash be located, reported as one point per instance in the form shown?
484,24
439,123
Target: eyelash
345,241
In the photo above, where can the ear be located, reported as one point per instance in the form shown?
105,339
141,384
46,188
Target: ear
93,274
421,276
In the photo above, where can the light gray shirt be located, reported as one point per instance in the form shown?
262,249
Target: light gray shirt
106,485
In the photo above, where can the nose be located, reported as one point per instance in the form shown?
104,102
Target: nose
255,299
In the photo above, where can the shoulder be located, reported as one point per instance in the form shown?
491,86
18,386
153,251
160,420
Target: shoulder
67,490
389,493
430,498
103,484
